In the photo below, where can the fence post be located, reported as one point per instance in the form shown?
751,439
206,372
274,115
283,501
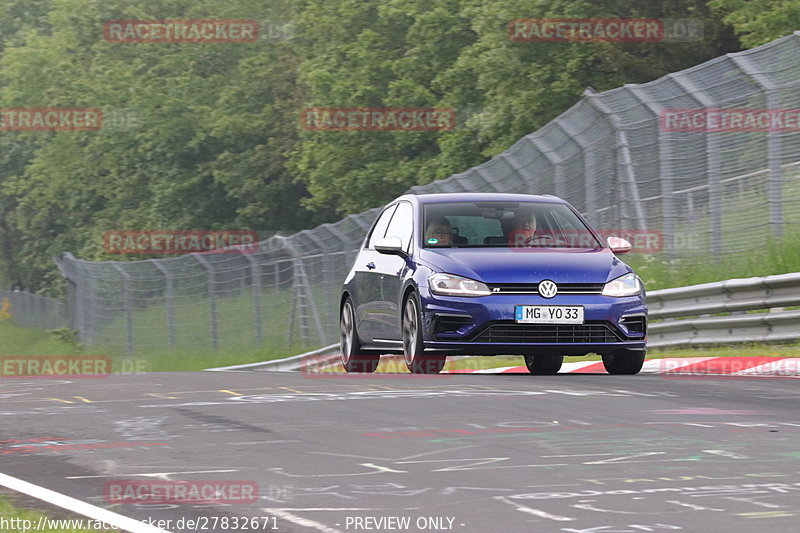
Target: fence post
555,161
624,161
212,299
528,177
589,168
170,296
255,269
774,149
665,170
713,168
775,178
126,308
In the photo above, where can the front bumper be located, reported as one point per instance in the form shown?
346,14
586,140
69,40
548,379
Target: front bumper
486,326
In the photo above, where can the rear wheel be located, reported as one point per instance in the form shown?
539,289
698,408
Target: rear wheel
353,359
413,347
544,365
624,362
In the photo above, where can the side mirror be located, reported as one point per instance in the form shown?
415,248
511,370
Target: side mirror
618,245
390,246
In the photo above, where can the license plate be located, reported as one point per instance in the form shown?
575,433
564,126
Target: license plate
549,314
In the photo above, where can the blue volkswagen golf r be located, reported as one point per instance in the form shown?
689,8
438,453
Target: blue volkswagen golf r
490,274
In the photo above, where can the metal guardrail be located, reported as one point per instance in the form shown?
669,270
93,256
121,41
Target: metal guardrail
748,310
683,316
322,356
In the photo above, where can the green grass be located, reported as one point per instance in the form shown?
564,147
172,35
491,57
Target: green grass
15,341
23,341
13,515
745,228
772,257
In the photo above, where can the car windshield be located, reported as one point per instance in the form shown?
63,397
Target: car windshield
504,225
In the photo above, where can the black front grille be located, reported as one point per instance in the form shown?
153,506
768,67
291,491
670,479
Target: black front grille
588,333
533,288
450,323
635,323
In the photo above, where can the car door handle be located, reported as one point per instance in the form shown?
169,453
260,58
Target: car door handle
370,265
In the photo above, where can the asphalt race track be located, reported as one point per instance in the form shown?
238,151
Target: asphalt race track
398,452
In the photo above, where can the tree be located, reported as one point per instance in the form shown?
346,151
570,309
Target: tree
759,21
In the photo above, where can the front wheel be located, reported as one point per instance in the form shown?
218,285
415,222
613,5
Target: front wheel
353,359
624,362
413,347
544,365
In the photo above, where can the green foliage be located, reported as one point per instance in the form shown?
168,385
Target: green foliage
759,21
207,136
67,336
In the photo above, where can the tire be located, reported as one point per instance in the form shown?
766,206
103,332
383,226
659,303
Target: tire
413,347
625,362
353,358
544,365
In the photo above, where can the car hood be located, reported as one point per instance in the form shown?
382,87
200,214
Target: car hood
513,265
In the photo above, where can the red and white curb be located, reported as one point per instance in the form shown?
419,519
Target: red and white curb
734,366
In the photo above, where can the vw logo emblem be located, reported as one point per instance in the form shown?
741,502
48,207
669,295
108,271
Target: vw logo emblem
547,289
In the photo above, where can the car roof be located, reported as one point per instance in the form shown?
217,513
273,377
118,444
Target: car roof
480,197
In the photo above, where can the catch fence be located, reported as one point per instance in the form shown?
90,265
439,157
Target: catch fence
723,192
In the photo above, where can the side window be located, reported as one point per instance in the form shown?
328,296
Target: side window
380,227
402,224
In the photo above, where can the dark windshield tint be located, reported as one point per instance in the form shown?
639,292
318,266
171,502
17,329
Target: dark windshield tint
504,225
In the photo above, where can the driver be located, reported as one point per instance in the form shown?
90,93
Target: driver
523,230
439,233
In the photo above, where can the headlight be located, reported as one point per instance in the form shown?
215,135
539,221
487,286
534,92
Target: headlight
450,285
627,285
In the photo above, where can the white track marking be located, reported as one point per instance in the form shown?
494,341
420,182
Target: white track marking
156,474
535,512
76,506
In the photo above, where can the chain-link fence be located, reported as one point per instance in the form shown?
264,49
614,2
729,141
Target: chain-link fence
32,310
610,155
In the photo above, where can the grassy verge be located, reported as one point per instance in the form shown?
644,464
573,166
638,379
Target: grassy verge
16,341
22,341
22,519
776,257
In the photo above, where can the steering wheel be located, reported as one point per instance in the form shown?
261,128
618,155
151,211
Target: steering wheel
542,240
